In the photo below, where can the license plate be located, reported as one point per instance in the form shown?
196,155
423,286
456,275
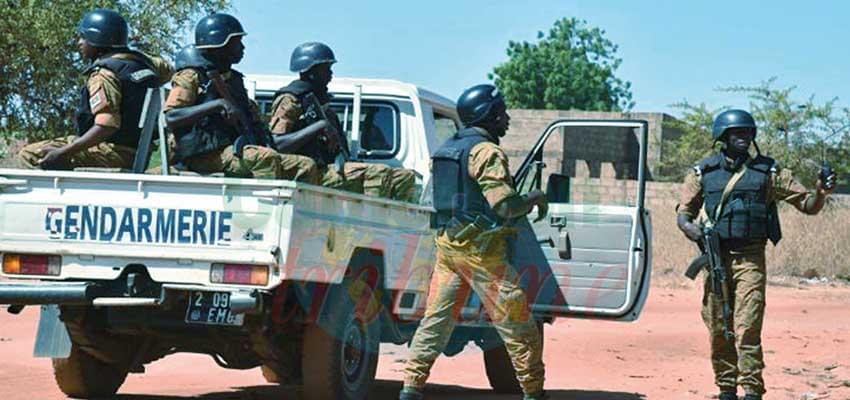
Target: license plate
212,308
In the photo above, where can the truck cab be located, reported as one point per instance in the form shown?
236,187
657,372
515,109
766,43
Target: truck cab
399,124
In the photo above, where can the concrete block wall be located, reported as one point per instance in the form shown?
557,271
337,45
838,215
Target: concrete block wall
586,152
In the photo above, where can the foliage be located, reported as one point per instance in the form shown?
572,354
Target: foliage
798,134
570,68
39,63
693,145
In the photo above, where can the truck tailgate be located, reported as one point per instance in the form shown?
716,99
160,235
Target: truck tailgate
175,225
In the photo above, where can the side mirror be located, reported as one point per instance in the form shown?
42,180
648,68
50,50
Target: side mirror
558,189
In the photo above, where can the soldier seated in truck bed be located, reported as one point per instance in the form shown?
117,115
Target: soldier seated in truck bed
110,103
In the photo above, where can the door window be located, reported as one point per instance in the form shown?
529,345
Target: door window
379,127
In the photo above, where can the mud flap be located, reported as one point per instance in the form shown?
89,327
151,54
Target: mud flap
52,340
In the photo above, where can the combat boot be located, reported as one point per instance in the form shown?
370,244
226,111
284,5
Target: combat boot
752,397
541,395
409,393
728,396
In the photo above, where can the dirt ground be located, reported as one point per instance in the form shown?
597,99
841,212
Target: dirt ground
662,356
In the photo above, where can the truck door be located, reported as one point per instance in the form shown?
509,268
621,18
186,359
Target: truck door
590,257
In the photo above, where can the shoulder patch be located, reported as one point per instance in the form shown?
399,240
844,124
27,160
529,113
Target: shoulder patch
97,101
142,74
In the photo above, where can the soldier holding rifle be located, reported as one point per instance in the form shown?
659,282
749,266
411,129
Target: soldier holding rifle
739,193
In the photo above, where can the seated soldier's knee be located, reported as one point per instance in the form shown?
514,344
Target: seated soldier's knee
307,171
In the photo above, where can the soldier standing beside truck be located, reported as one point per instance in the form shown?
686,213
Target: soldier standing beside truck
302,123
217,127
739,193
475,199
110,103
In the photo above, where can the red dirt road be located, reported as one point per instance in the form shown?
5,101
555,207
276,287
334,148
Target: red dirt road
662,356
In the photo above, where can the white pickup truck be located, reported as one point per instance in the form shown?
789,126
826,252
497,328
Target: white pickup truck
301,280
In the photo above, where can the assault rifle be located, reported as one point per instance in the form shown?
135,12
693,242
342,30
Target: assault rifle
315,112
710,259
249,133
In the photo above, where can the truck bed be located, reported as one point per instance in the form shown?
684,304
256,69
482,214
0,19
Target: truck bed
178,226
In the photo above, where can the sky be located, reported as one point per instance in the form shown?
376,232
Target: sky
671,50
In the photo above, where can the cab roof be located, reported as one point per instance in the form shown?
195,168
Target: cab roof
390,87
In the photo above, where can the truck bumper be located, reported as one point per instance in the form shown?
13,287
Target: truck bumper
88,293
46,293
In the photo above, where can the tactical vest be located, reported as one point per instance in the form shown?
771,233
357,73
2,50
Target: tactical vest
746,215
456,194
136,77
212,132
314,148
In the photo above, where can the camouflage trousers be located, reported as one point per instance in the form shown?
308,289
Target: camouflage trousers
402,185
738,361
494,281
102,155
256,162
377,180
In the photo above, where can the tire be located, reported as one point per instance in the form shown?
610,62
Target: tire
81,375
500,370
340,352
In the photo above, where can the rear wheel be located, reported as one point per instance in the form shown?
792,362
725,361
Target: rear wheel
340,353
99,361
81,375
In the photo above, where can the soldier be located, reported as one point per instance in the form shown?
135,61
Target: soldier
217,127
110,103
298,131
746,190
473,189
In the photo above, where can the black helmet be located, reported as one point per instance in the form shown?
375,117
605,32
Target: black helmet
104,28
213,31
189,57
476,103
310,54
731,119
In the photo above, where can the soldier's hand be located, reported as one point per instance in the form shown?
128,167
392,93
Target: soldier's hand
331,139
229,112
542,204
54,159
826,184
692,232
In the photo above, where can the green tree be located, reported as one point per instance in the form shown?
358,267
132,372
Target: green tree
570,68
694,144
799,134
39,64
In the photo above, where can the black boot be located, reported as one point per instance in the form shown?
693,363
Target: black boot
409,393
752,397
728,396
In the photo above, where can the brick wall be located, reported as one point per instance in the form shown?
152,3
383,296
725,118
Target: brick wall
587,152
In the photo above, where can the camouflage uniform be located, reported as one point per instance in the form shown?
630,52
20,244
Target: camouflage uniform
377,180
256,161
466,265
741,362
105,102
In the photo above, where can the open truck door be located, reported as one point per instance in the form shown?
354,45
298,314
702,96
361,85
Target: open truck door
591,256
